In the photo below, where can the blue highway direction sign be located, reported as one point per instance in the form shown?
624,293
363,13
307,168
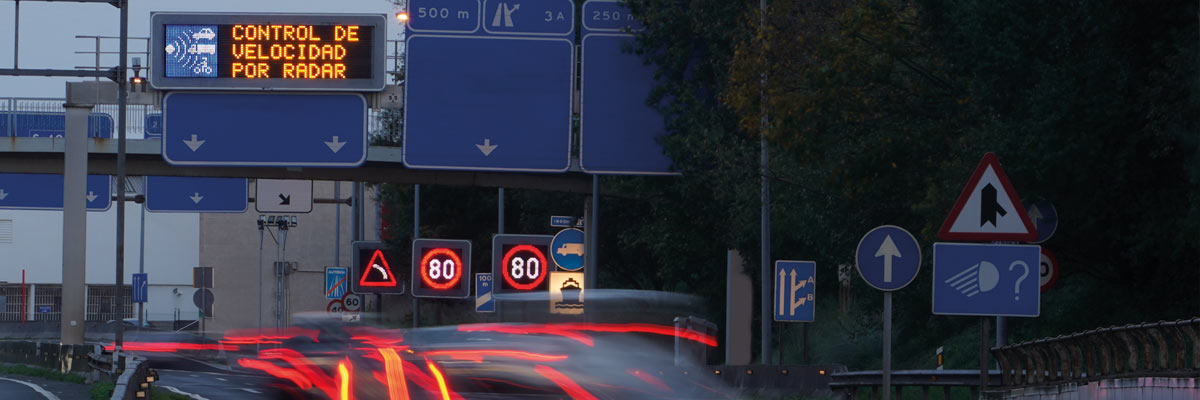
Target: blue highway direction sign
888,257
45,192
140,288
443,16
513,115
153,125
191,194
265,129
567,249
337,282
618,132
50,124
986,279
484,301
795,290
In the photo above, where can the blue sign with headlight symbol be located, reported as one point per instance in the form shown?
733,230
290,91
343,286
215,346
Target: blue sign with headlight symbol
986,279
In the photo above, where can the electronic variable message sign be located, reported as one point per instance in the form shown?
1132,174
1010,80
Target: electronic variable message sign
372,270
520,263
267,51
438,268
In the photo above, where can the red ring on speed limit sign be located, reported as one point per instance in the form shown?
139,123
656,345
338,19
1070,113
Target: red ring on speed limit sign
508,272
425,268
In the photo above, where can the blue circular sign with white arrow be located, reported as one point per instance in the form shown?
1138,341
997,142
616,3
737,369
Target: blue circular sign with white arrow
1045,219
567,249
888,257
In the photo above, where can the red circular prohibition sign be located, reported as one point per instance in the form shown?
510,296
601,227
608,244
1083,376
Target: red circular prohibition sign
441,251
508,274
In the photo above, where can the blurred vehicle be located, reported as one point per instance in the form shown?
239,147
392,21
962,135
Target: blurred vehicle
321,356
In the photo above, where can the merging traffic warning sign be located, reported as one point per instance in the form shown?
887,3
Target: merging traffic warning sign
988,209
372,271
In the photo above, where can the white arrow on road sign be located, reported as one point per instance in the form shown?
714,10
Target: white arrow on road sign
196,197
91,196
887,250
796,286
194,143
487,147
3,194
335,145
796,290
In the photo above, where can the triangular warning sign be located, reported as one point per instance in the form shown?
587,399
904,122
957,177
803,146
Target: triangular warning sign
377,273
988,209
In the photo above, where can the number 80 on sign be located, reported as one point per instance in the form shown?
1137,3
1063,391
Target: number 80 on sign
438,268
520,263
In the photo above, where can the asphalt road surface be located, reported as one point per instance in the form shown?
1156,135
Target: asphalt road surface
214,385
33,388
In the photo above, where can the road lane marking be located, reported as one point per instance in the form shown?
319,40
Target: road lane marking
183,393
36,388
251,390
221,379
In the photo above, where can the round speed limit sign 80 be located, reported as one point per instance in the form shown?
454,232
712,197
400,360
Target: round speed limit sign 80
352,302
441,269
524,267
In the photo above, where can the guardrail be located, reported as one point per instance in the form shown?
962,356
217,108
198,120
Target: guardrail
1162,349
848,384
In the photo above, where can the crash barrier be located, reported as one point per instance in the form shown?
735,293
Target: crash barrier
776,380
937,383
1161,349
45,354
135,380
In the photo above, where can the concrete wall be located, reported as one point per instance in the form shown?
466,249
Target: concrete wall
229,244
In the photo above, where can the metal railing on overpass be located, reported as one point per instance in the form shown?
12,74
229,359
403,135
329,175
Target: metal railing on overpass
1161,349
849,384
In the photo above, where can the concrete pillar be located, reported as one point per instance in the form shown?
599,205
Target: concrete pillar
74,223
29,307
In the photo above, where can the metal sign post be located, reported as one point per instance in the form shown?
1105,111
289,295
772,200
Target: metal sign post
887,345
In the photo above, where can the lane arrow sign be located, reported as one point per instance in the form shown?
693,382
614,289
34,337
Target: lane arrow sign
196,197
887,250
3,194
335,145
194,143
487,147
782,288
91,196
1035,214
285,200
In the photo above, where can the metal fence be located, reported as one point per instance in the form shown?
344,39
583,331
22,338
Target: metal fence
102,300
47,303
10,299
1168,349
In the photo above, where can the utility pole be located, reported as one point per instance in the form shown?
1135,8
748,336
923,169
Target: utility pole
765,199
122,97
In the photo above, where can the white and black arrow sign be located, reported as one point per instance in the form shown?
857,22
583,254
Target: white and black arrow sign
283,196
